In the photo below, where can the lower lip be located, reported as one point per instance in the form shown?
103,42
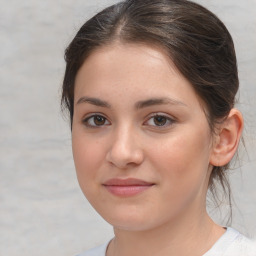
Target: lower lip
126,191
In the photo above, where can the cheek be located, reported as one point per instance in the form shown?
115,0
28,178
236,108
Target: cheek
88,156
183,159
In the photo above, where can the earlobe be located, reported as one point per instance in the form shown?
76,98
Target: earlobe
227,139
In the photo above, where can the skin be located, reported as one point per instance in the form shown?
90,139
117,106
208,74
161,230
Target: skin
175,154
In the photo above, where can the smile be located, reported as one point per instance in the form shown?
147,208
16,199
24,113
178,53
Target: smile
126,187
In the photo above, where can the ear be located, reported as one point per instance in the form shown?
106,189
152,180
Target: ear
227,139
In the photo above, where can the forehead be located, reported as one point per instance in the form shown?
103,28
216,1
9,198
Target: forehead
134,70
130,55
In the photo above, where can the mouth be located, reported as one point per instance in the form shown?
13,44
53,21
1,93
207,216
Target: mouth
127,187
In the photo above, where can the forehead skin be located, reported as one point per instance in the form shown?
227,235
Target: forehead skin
157,67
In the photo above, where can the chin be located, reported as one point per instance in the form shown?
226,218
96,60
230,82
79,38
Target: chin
132,226
132,221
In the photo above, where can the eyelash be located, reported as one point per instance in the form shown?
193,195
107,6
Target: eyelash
92,117
168,121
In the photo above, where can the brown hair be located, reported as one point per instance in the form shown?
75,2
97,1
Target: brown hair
196,41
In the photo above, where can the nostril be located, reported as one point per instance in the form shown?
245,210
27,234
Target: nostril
123,158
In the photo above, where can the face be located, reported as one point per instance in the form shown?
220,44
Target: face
141,141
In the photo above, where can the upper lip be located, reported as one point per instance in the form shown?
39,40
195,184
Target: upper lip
127,182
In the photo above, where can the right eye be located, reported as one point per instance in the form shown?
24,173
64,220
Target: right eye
95,121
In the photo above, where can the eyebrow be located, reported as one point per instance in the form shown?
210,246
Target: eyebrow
138,105
158,101
94,101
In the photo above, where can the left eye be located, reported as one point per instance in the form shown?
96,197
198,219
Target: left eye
160,120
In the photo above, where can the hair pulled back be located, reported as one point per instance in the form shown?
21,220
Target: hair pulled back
196,41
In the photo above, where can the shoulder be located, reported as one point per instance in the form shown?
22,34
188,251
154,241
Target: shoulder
241,246
233,243
97,251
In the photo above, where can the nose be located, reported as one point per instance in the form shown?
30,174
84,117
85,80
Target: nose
125,150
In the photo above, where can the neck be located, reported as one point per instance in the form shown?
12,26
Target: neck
192,238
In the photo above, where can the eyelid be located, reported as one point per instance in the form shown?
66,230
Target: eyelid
92,115
169,118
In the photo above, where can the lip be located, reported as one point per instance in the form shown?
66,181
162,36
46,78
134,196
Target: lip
127,187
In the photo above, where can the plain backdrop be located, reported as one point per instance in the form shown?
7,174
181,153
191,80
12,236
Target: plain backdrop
42,211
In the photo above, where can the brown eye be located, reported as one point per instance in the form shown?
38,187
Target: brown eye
160,120
96,121
99,120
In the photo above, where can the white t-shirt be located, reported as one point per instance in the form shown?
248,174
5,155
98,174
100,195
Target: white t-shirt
231,243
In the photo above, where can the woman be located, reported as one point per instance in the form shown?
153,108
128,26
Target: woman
150,88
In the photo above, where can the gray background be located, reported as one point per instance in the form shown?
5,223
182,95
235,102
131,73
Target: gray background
42,211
